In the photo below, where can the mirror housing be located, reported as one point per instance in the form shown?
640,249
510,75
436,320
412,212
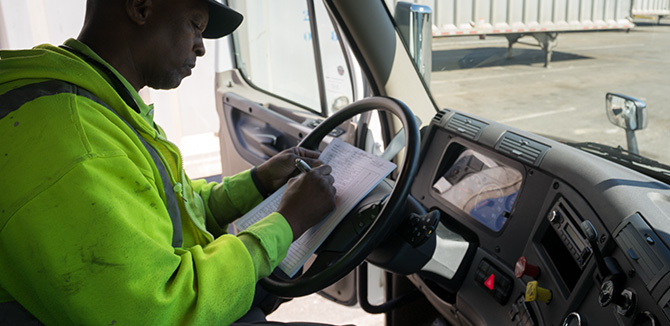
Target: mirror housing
626,112
416,28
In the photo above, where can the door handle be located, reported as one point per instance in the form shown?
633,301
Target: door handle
269,149
265,142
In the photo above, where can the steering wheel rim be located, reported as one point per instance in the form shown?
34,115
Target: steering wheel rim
388,218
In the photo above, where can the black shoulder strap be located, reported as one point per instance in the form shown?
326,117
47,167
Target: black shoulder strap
13,313
14,99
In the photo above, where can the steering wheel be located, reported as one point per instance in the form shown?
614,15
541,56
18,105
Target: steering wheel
331,264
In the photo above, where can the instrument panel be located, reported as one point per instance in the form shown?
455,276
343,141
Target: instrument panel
562,237
483,188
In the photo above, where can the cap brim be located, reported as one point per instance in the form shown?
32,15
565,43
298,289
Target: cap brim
222,20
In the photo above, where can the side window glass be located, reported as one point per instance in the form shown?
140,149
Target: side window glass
336,75
275,51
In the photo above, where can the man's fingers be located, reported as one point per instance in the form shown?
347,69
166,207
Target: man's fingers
324,169
329,178
306,153
313,162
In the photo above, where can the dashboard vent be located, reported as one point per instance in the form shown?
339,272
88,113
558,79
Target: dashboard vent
466,126
644,249
438,117
522,148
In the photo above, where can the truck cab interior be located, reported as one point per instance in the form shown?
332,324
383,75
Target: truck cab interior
482,223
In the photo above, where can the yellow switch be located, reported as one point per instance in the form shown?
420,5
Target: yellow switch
534,292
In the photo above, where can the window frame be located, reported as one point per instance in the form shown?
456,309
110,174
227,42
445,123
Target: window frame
324,110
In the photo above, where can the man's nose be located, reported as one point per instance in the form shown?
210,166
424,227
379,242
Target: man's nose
199,47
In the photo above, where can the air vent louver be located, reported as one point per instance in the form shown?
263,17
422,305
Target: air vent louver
522,148
465,126
438,117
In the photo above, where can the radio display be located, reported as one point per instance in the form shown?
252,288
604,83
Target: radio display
572,234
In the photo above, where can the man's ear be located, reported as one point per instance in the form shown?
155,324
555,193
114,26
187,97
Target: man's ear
139,10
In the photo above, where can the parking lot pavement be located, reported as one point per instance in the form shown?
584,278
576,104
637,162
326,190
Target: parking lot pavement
567,99
314,308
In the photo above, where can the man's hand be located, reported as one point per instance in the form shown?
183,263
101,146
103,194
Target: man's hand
276,171
308,199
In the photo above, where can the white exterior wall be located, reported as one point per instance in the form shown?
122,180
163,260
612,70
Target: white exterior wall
651,7
188,113
485,17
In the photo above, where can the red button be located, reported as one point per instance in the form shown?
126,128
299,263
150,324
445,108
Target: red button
490,282
522,268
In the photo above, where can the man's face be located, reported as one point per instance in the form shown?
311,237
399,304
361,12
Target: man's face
174,41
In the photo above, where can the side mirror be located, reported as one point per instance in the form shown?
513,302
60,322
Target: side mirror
628,113
416,28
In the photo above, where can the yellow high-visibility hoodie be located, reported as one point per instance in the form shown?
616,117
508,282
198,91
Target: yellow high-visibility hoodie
85,233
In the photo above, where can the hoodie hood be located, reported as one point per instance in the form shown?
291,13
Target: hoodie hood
45,62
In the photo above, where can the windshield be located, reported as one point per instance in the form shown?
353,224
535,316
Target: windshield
547,69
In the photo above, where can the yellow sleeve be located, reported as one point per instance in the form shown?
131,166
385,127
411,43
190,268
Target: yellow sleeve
228,200
268,241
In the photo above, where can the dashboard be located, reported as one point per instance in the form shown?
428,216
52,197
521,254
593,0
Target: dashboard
552,235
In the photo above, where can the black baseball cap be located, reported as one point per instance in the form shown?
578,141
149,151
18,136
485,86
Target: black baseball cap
222,20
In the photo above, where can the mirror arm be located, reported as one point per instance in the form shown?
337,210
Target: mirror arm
631,141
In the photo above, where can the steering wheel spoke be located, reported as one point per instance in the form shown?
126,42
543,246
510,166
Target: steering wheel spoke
322,261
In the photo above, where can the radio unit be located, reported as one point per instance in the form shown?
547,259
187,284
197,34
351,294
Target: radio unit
565,222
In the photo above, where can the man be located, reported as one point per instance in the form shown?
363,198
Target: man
99,225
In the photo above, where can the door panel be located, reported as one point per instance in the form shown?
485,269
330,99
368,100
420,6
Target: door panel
255,125
258,132
291,71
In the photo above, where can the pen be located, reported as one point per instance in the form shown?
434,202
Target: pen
302,166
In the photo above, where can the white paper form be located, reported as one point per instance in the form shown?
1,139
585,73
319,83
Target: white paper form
356,173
